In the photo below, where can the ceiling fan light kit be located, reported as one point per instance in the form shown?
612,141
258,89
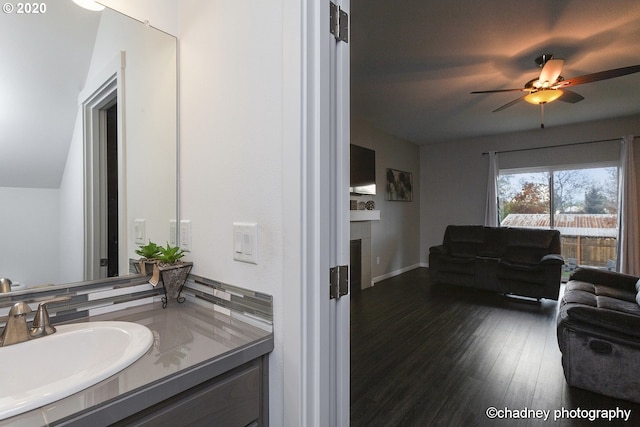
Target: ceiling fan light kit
543,96
546,88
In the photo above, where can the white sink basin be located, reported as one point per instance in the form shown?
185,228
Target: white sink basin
43,370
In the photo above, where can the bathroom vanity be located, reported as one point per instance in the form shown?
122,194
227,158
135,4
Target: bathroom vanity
206,365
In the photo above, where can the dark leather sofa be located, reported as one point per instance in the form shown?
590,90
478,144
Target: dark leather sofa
508,260
599,333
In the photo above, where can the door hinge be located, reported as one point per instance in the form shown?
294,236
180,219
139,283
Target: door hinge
339,23
338,281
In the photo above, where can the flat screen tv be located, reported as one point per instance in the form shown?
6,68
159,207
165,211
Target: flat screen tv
363,171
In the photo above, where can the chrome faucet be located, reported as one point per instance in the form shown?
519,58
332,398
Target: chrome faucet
16,329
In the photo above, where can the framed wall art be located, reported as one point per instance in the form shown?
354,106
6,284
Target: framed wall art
399,186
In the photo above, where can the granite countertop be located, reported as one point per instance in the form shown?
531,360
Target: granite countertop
187,337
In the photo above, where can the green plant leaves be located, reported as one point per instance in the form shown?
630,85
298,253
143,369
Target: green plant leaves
170,254
149,251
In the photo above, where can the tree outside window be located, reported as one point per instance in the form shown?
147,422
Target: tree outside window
582,205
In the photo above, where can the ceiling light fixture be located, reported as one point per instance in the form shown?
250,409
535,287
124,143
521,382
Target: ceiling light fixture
89,5
543,96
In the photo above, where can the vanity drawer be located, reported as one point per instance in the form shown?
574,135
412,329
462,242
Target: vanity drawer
233,399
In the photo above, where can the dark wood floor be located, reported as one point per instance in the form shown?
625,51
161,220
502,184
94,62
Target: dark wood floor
424,355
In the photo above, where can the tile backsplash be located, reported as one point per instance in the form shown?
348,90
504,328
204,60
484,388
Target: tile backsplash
103,296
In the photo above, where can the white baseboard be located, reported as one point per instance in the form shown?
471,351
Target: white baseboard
395,273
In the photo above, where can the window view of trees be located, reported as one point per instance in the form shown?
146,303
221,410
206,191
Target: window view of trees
586,191
581,203
524,193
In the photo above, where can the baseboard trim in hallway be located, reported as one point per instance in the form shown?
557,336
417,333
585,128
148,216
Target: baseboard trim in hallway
394,273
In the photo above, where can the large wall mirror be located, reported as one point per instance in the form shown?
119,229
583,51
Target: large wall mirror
88,143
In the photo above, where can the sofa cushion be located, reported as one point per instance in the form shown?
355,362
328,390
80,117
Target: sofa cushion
530,245
601,290
517,272
525,254
458,265
600,296
625,323
580,297
622,306
606,277
465,240
494,241
464,249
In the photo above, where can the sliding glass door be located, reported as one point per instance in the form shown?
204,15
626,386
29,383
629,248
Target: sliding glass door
580,202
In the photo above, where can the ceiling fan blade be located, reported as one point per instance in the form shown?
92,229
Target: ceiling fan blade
498,90
602,75
550,72
515,101
570,96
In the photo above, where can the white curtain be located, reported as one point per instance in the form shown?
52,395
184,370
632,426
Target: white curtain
629,229
491,210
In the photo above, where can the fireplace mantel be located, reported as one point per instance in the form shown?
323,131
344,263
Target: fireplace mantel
365,215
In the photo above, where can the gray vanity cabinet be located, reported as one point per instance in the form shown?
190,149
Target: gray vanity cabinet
232,399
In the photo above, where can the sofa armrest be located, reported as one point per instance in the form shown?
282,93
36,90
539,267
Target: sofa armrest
440,249
604,319
552,259
606,277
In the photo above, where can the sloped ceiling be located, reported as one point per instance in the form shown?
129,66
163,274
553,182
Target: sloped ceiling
415,62
45,59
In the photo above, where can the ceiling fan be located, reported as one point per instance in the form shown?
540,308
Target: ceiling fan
550,85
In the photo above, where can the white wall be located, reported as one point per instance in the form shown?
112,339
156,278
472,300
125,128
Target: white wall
71,243
161,14
30,222
395,239
235,162
454,173
149,146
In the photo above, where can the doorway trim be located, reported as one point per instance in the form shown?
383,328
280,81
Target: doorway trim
316,381
101,92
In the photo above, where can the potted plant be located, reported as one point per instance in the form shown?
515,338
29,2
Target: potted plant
149,257
172,271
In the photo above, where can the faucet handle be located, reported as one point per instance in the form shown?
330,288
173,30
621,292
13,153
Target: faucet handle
20,308
41,325
5,285
15,330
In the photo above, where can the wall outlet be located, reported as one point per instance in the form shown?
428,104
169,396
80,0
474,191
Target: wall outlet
377,260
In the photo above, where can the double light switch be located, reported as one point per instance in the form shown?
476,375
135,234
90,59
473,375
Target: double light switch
245,242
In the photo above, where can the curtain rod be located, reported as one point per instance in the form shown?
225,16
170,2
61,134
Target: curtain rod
555,146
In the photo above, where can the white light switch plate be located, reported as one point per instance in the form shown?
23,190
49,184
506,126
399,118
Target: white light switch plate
185,235
140,231
172,232
245,242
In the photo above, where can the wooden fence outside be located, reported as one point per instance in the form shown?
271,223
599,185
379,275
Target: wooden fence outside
589,251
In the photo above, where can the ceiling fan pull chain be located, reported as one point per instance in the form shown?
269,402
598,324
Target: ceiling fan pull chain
542,115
